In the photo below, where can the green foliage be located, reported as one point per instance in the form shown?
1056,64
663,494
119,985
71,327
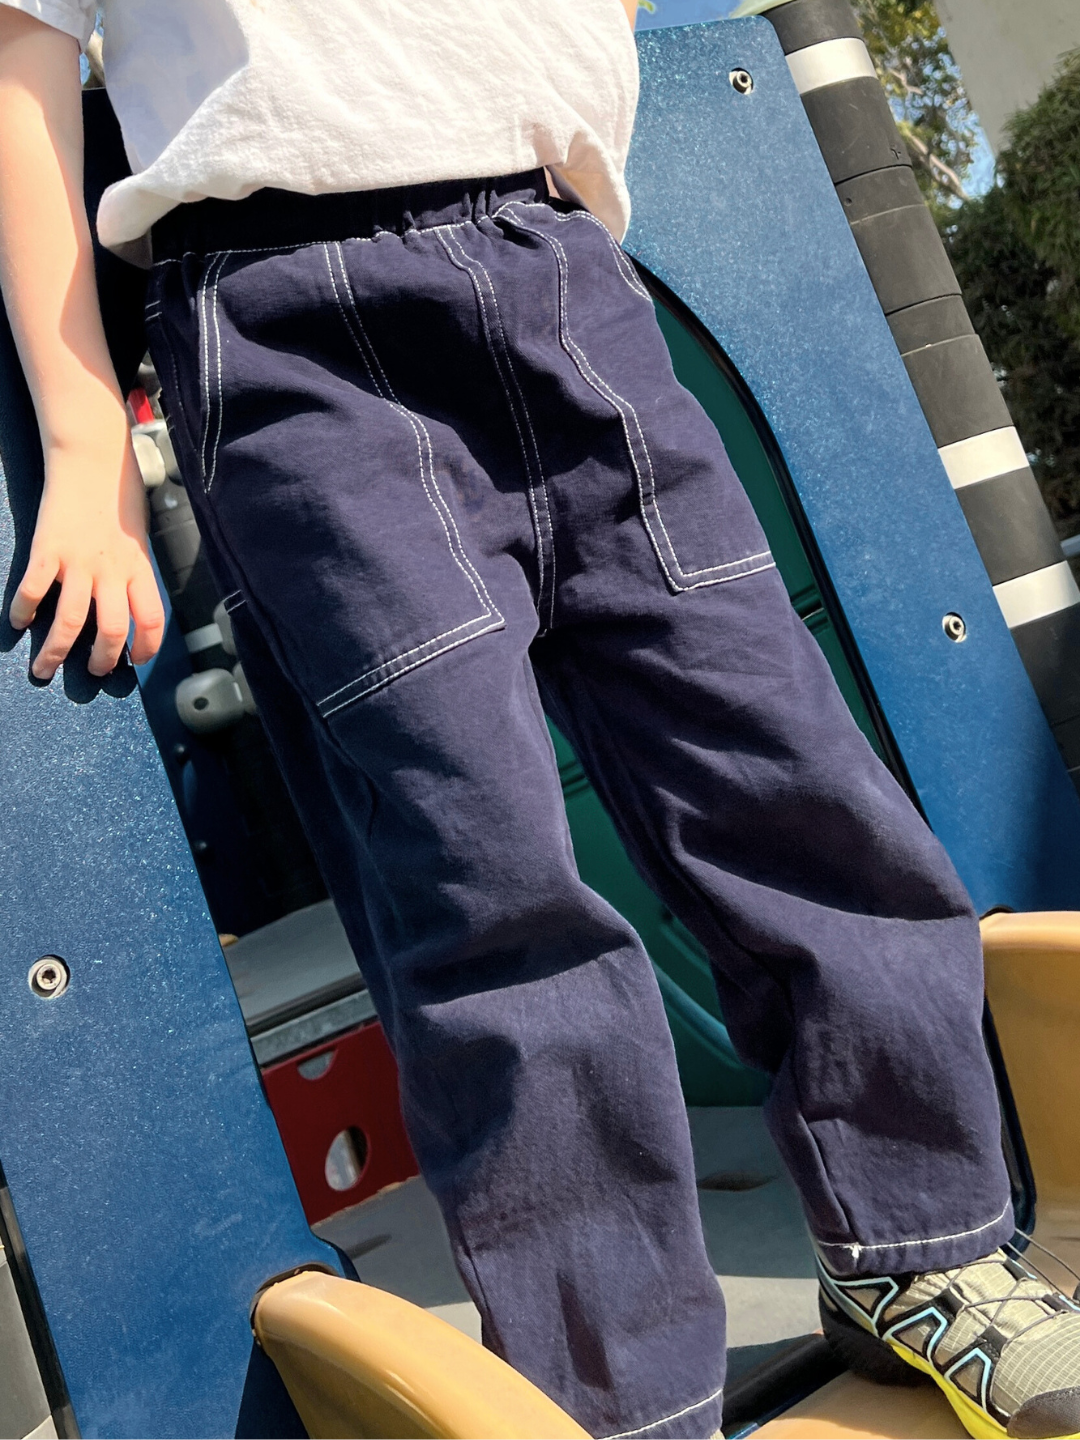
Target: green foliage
1016,252
1040,171
913,60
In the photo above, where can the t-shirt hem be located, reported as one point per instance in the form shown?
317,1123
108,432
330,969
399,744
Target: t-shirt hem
129,209
66,18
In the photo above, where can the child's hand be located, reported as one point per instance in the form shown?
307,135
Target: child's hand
91,528
91,537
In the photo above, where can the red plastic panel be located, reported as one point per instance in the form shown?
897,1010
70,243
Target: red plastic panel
339,1115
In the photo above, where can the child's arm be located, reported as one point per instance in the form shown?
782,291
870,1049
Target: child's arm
91,527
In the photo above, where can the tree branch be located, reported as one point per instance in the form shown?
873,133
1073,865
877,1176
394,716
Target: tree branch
902,79
944,174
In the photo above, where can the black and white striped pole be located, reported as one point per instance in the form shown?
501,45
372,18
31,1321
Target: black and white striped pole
981,450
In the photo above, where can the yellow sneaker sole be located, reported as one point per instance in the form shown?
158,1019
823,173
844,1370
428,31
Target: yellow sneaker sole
974,1420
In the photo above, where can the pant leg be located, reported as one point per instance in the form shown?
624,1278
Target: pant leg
844,946
386,589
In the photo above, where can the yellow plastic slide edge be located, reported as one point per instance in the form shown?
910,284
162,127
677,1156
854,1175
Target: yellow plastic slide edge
1033,986
1050,932
359,1362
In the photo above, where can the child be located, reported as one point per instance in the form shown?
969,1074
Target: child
447,482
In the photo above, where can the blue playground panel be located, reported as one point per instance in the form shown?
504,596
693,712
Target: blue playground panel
735,213
147,1176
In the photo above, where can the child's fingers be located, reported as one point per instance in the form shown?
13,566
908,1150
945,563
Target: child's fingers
149,616
111,606
40,574
71,611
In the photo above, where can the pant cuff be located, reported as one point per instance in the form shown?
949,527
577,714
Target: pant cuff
903,1257
703,1418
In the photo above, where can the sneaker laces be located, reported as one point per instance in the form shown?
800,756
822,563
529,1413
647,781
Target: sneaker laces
1031,1275
1021,1256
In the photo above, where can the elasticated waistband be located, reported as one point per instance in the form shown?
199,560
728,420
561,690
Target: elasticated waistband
275,218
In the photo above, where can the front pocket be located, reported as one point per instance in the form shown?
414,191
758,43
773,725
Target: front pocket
700,524
695,510
334,502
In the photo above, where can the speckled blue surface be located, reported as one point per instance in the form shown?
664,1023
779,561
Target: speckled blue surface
734,211
144,1165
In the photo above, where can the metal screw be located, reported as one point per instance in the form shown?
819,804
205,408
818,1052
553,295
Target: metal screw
742,81
954,627
48,977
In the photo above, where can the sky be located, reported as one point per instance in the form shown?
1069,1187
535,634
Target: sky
684,12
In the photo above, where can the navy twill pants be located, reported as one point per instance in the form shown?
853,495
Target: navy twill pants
448,482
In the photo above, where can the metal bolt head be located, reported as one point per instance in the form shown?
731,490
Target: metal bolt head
741,81
954,627
48,977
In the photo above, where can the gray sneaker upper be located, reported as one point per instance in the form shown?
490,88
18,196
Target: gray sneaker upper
996,1330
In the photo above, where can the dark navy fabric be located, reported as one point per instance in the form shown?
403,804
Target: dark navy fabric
449,482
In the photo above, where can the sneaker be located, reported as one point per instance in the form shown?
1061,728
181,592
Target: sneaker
999,1340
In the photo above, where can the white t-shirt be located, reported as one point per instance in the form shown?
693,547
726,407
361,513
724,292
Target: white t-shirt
223,97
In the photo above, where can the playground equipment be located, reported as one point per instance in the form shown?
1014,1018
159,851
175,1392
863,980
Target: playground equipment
945,360
148,1203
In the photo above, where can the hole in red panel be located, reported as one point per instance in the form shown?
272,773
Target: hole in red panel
317,1065
346,1158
